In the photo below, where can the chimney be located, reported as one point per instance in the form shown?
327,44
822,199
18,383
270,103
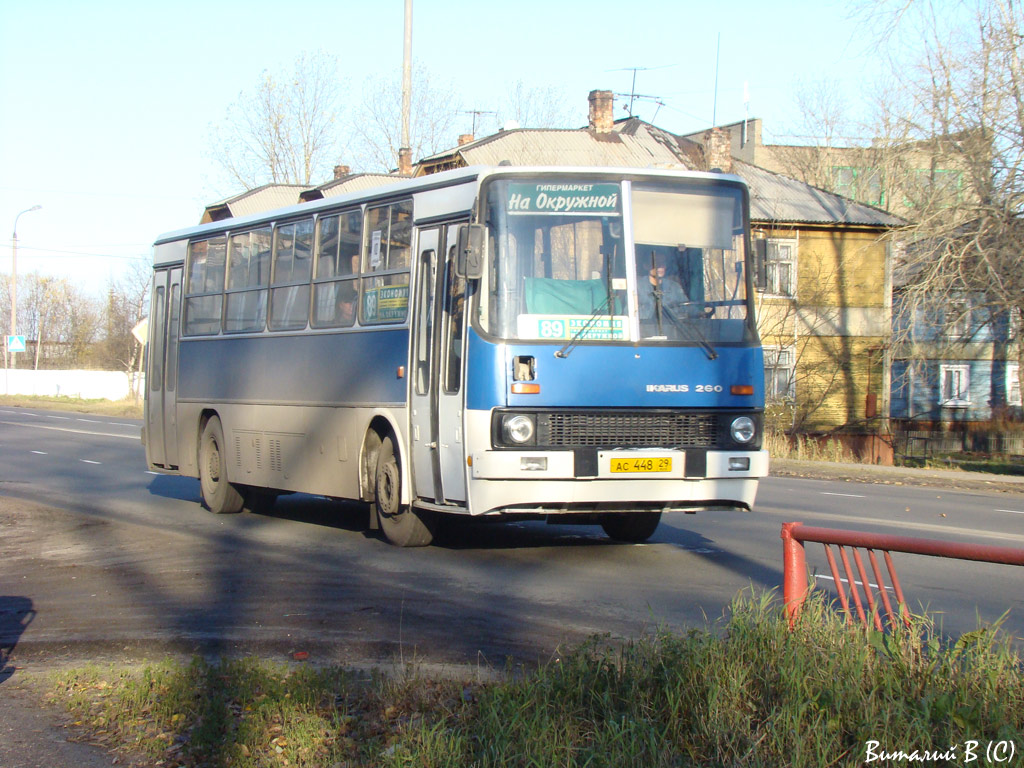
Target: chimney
718,150
405,161
341,171
601,118
465,139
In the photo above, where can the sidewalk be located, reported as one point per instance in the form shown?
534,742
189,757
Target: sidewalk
32,734
948,479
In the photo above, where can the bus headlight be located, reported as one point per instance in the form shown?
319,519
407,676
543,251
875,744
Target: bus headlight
518,428
743,429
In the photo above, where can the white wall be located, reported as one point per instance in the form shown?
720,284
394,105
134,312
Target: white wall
90,385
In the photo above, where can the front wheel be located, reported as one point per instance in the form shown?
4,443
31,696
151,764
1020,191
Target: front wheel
634,527
219,496
402,525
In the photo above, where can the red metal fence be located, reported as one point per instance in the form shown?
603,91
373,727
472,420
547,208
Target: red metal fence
795,576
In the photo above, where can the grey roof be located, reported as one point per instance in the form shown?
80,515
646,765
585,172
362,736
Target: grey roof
264,198
778,198
355,182
530,146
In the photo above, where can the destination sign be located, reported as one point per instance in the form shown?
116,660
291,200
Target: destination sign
578,199
560,327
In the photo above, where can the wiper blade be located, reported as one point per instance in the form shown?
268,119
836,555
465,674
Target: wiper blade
565,350
695,332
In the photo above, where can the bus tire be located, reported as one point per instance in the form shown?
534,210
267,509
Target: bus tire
402,525
634,527
219,496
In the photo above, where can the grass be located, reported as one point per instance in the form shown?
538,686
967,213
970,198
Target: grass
129,407
781,446
748,692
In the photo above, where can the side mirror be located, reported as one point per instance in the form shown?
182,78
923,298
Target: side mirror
469,261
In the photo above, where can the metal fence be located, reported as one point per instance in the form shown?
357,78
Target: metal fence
869,607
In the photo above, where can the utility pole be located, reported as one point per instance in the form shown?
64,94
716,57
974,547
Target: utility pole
14,278
405,151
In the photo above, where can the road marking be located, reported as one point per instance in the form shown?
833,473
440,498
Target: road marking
41,453
90,421
59,418
844,581
1014,511
848,495
65,429
88,461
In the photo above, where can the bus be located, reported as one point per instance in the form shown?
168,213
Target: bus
575,344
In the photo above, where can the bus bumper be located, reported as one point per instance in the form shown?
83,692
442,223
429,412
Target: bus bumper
550,482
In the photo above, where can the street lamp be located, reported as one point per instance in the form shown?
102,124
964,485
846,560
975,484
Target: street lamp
14,275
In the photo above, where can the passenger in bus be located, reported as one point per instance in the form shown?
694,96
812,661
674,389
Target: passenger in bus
345,301
662,300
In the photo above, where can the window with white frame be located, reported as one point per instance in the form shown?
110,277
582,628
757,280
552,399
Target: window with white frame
779,373
1013,384
780,267
954,386
957,318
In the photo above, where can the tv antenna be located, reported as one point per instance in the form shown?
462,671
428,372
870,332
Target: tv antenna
633,95
476,113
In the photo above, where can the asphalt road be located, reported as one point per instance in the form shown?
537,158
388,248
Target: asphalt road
100,558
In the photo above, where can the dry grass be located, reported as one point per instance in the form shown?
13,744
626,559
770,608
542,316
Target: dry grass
129,407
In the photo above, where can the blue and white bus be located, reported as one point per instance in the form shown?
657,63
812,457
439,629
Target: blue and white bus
574,344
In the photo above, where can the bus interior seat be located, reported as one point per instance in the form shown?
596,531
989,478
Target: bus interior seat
550,296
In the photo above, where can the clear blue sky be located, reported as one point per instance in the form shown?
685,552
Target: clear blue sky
106,106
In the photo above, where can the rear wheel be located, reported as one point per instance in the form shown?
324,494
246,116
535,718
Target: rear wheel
219,496
402,525
634,527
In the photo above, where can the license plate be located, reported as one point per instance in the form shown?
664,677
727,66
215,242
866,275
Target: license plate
642,464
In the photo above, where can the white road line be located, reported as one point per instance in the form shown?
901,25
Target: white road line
1014,511
40,453
90,421
59,418
844,581
848,495
65,429
88,461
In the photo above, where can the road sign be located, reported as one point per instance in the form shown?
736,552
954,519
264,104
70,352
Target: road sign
15,343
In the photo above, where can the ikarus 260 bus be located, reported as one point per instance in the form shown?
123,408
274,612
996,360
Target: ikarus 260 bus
577,344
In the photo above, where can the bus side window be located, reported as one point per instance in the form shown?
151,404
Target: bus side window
248,279
205,286
336,287
293,268
387,243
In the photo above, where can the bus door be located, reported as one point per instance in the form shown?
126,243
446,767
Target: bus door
161,414
439,330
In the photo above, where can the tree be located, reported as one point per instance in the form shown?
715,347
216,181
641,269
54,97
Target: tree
127,303
961,102
378,129
57,319
288,130
537,107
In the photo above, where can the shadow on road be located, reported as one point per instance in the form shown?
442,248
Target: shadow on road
16,613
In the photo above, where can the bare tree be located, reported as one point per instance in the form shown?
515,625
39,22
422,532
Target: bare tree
378,127
58,320
287,130
963,105
126,304
537,107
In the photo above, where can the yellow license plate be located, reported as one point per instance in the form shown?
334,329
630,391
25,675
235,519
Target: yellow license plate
642,464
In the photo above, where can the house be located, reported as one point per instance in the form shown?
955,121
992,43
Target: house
825,310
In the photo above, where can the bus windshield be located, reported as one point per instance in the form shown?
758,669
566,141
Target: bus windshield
645,262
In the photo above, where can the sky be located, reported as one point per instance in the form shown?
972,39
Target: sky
106,107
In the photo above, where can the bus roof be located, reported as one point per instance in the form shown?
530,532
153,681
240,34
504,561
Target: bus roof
469,174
